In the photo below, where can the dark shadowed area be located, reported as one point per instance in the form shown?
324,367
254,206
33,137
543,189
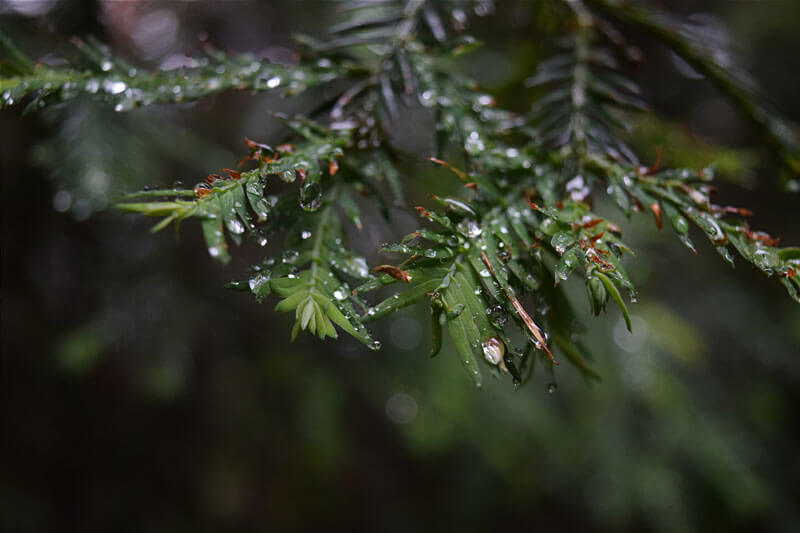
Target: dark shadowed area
136,394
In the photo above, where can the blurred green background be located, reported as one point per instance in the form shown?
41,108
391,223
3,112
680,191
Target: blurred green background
138,395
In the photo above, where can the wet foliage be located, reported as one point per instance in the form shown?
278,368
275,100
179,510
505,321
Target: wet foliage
110,79
491,261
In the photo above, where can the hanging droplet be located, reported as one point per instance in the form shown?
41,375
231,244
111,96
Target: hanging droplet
493,350
497,315
258,281
311,197
260,237
552,387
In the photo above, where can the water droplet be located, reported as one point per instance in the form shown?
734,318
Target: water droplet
339,294
497,315
92,86
114,87
427,97
257,282
493,350
106,65
375,345
485,273
552,387
486,100
311,197
235,226
305,234
273,82
578,189
470,228
474,145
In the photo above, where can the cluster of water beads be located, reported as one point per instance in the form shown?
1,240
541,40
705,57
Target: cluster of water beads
578,188
127,88
469,228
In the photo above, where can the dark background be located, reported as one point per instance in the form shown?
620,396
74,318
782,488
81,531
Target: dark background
138,395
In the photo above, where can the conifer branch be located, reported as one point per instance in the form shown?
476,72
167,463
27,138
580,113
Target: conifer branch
108,79
492,261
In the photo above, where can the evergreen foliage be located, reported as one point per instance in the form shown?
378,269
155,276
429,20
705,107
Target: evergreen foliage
525,221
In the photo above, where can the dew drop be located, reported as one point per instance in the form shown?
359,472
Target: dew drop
427,98
236,227
493,350
552,387
497,315
474,145
115,87
311,197
257,282
93,86
470,228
